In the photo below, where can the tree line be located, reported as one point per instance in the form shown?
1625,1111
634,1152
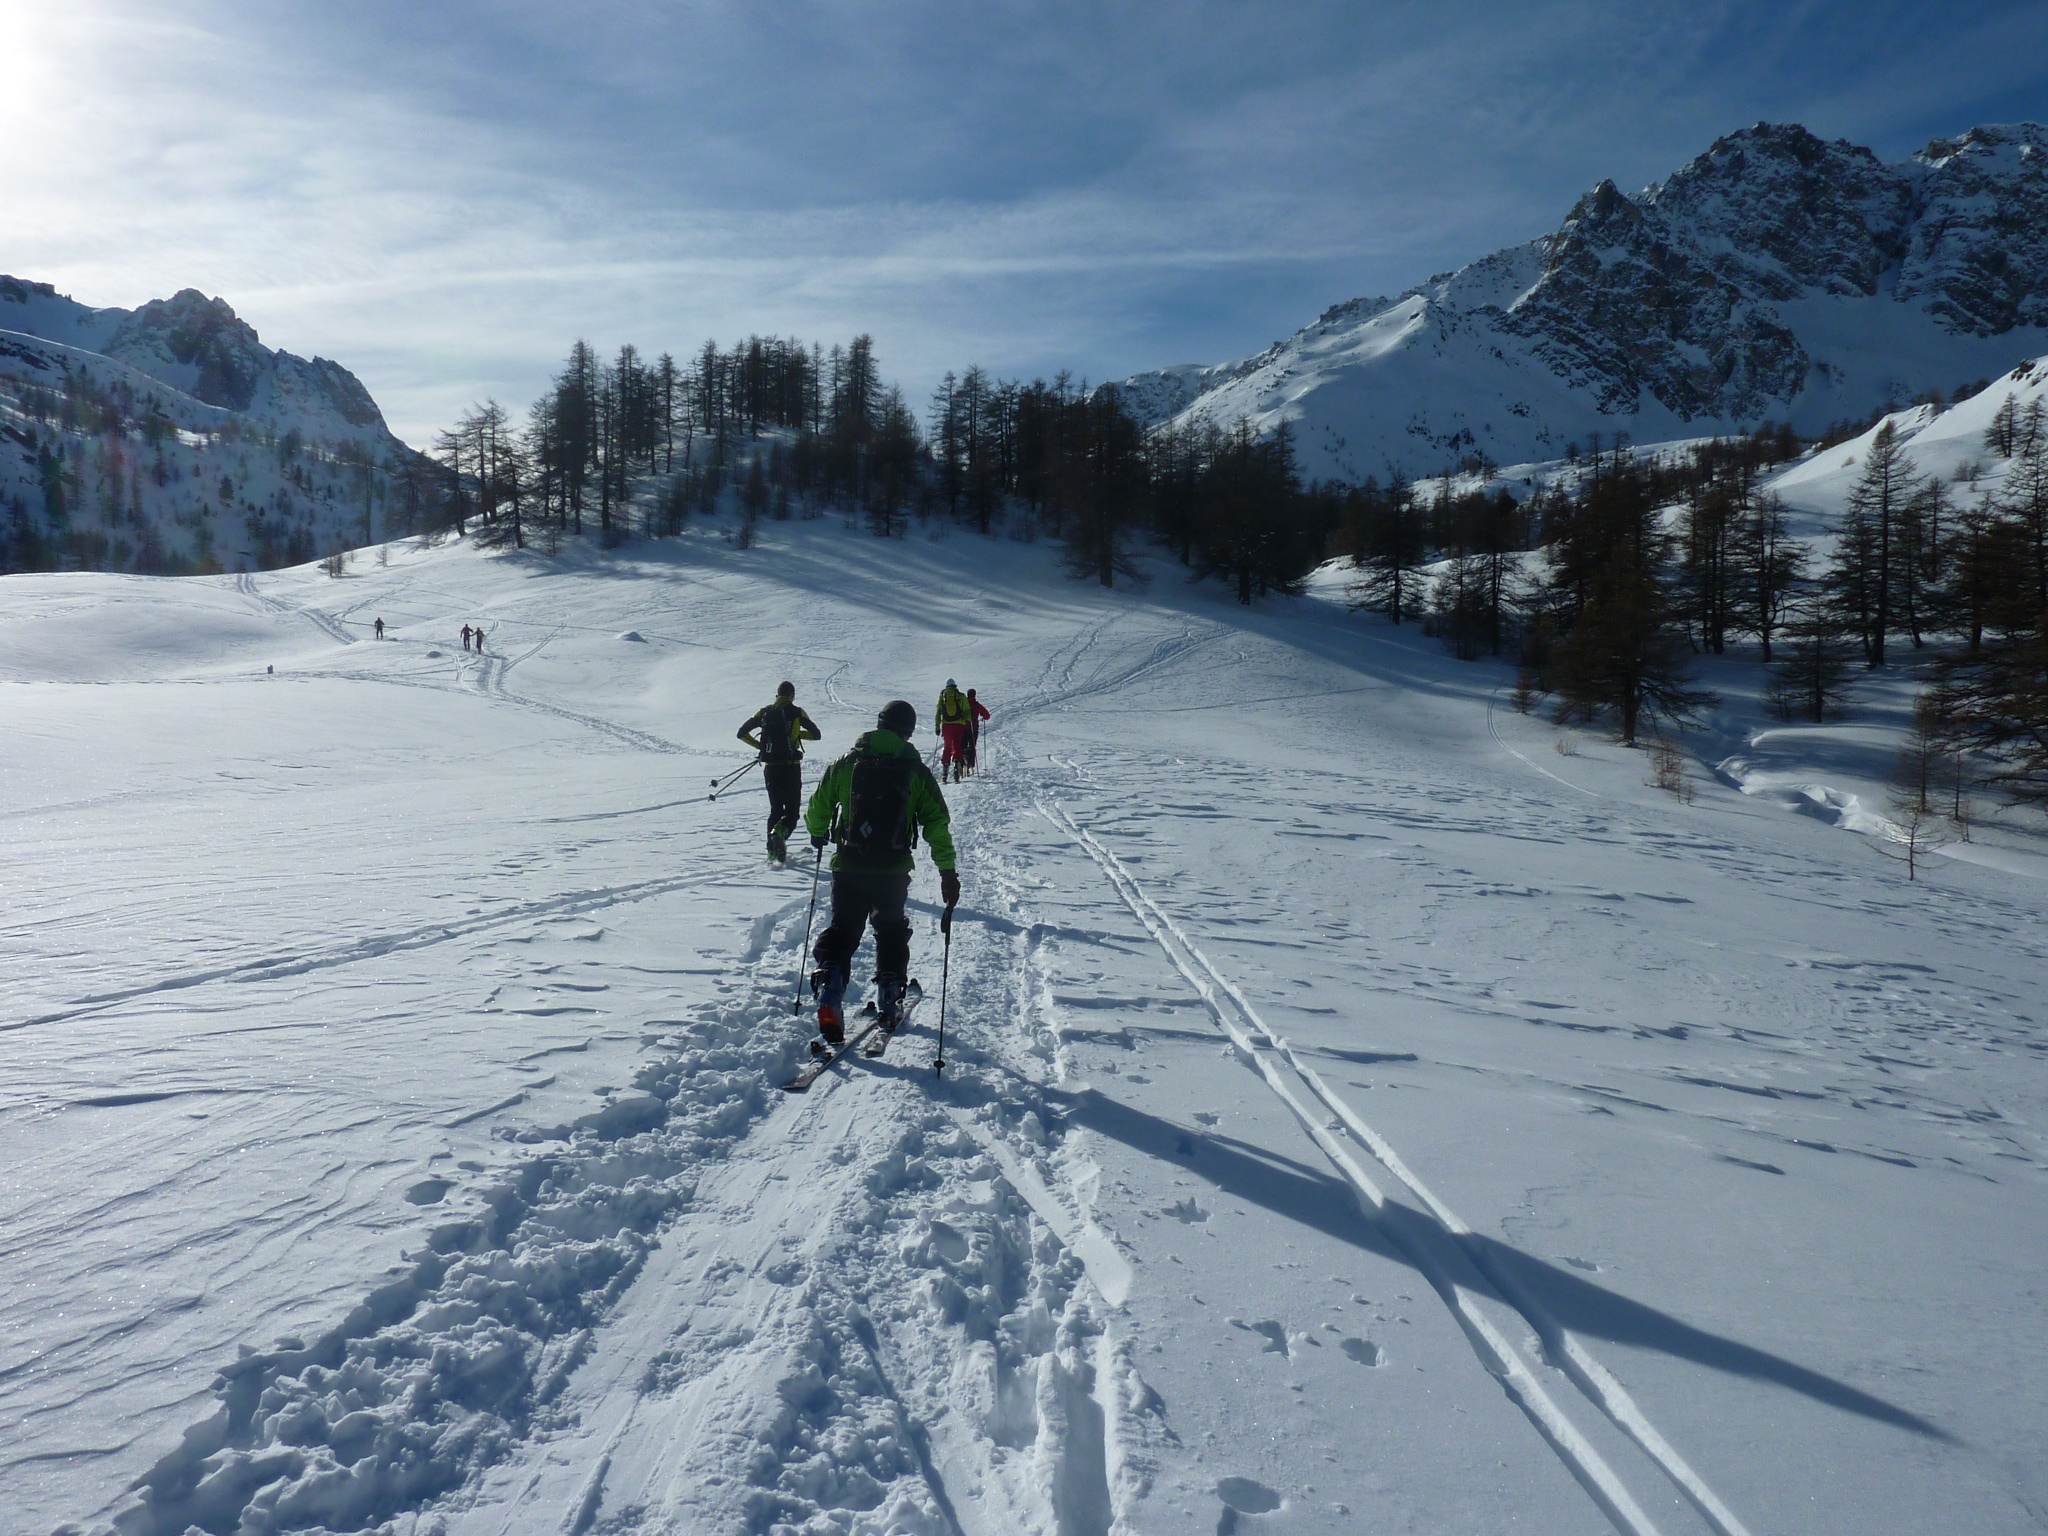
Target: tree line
625,446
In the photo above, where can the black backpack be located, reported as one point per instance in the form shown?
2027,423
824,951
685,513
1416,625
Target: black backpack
877,826
778,733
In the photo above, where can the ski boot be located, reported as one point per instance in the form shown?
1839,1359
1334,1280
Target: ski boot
778,850
889,1002
831,989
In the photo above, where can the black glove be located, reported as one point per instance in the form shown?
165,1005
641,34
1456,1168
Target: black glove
818,843
949,887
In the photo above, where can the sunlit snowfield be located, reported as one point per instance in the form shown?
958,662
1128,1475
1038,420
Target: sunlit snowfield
1360,1115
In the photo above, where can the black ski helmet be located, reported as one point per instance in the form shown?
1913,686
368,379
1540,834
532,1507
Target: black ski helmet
785,690
899,716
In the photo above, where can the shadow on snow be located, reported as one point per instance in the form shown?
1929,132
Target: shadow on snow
1319,1200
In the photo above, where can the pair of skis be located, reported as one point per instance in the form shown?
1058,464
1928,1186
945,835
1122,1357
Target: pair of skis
870,1039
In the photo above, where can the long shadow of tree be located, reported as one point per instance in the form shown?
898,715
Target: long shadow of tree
1317,1199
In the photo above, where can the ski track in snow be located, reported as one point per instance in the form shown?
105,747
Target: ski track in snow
274,967
334,629
1257,1044
687,1301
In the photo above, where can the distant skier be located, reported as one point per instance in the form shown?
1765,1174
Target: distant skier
465,637
976,713
874,801
778,732
953,715
379,628
479,637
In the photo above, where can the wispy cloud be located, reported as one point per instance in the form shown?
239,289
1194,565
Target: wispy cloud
445,196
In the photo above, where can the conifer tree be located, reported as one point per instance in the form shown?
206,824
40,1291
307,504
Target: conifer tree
2023,503
1767,567
1257,528
1390,537
1621,648
754,489
1101,486
1812,675
1869,562
1713,516
890,462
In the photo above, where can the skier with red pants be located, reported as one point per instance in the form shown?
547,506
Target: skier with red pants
976,713
954,716
778,732
873,802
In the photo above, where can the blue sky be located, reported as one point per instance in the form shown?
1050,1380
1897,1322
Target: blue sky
445,196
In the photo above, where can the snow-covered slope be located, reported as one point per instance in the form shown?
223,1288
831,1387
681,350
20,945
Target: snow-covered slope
169,437
1360,1116
1773,277
1947,445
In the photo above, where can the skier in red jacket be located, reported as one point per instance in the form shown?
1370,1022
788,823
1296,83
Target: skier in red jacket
976,713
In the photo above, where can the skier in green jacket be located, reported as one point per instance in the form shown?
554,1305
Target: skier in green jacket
873,802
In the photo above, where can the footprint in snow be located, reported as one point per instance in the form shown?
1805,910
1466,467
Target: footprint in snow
1244,1496
1188,1211
428,1191
1364,1351
1274,1333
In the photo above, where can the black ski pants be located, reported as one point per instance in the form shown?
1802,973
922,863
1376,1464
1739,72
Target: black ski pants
785,783
859,897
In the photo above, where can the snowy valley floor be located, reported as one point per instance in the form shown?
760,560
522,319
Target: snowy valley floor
1360,1117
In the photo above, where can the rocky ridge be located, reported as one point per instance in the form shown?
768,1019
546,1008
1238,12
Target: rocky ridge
1776,275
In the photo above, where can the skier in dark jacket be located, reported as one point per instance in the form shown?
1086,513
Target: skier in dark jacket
873,802
778,732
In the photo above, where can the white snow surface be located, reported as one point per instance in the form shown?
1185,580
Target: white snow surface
1360,1114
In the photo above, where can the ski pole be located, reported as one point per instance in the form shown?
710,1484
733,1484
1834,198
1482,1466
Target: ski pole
720,786
945,970
796,1003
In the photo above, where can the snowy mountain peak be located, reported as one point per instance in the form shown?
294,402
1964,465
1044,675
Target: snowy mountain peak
1775,275
274,457
202,348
